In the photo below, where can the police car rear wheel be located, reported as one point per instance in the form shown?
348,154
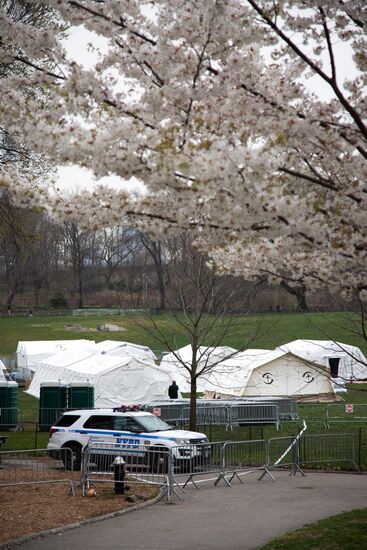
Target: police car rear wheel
72,460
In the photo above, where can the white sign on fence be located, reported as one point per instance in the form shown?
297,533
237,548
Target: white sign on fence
349,408
157,411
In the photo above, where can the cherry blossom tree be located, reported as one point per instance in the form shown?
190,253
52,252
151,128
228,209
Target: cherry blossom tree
209,104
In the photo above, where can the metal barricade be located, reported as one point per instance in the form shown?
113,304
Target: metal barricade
141,465
243,457
29,467
327,448
254,413
288,409
214,415
228,413
195,460
282,451
345,413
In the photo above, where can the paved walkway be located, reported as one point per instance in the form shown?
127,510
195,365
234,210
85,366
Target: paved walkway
242,517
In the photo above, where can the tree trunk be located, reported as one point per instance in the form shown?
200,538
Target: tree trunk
162,290
193,385
80,289
10,297
300,294
193,419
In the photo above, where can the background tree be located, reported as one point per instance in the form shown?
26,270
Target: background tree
116,245
78,248
157,253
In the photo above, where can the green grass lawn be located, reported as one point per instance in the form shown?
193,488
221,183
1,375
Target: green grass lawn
254,331
346,531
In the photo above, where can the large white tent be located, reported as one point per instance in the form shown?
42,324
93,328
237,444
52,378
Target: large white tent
269,373
115,379
173,363
352,364
31,353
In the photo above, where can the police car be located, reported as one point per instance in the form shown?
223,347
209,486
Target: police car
129,428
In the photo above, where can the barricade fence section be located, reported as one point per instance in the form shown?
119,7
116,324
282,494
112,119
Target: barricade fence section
281,451
228,413
345,413
172,469
328,449
239,455
127,464
322,449
36,466
241,414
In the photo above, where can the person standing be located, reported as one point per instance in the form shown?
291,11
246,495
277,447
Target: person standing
173,390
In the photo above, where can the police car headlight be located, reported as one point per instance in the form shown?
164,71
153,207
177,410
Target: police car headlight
183,441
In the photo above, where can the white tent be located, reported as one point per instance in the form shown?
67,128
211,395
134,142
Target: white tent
352,364
269,373
31,353
172,362
115,379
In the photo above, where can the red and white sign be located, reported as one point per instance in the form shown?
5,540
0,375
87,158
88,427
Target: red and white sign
349,408
157,411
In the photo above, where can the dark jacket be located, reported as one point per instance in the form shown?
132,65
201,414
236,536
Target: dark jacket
173,391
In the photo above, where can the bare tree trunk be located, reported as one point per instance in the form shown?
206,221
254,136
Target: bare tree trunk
10,297
80,291
193,417
193,384
156,252
300,294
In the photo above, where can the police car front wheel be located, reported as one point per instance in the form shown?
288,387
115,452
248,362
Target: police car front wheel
157,460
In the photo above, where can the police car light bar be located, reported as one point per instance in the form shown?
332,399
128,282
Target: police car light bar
125,408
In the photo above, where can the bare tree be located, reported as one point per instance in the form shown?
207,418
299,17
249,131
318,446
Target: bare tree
156,249
200,302
77,249
115,246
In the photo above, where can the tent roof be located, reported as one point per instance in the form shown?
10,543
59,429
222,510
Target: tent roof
209,354
321,349
126,348
96,364
67,358
49,346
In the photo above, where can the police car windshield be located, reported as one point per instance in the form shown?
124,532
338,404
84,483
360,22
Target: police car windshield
153,424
